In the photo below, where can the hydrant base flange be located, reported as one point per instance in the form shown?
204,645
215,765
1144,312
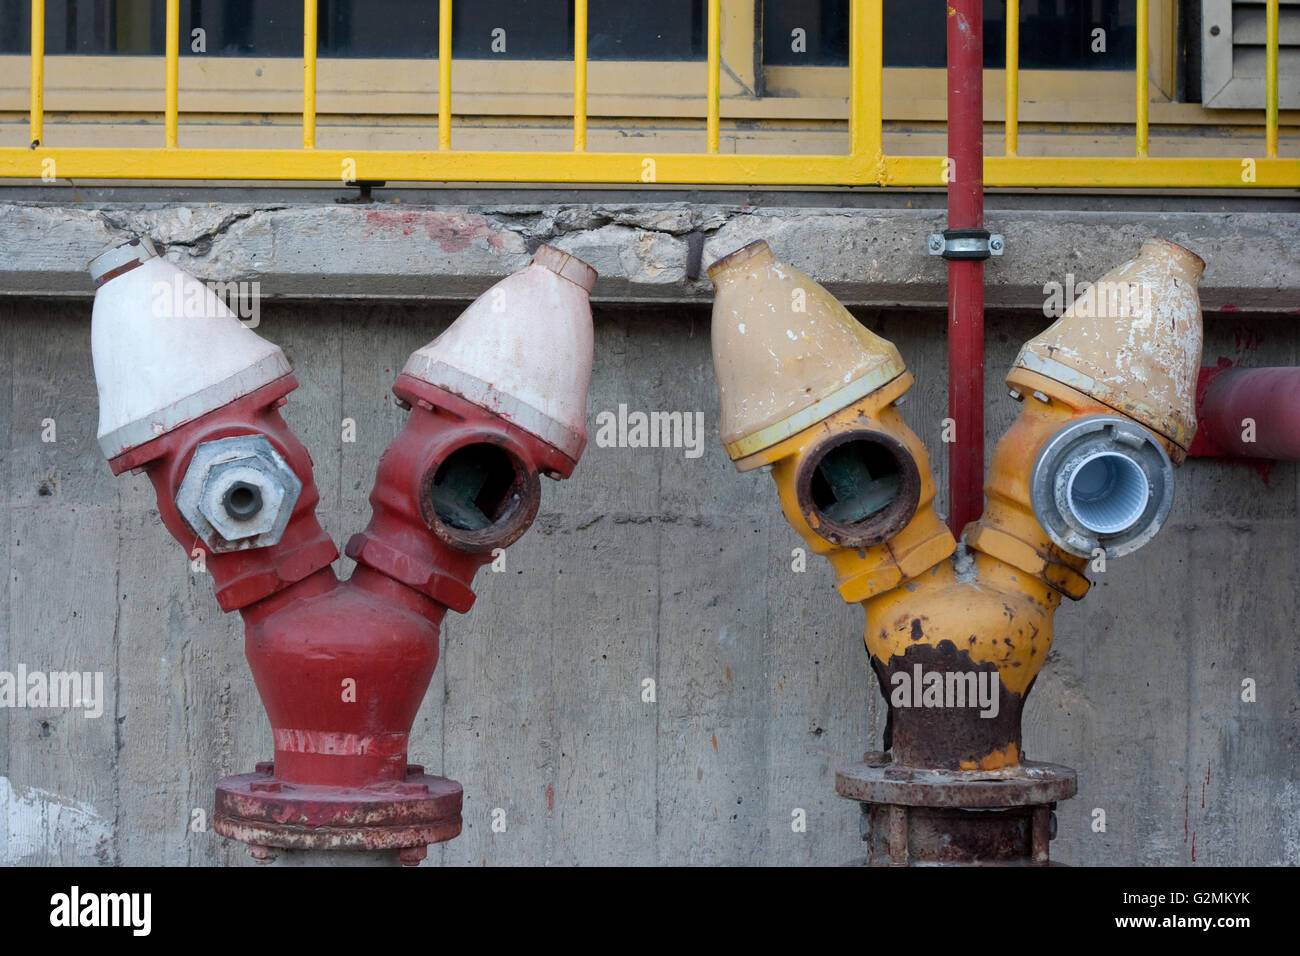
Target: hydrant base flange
1026,783
257,809
920,817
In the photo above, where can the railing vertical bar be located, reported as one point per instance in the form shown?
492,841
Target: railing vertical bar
309,11
715,73
579,76
1143,72
444,74
172,115
1013,77
866,26
1270,79
37,130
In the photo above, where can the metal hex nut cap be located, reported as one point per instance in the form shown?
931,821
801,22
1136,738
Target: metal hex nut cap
238,493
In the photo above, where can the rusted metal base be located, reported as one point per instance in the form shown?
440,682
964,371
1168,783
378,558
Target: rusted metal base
259,810
919,817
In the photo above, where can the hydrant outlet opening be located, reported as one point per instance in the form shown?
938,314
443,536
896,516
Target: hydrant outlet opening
859,488
480,497
1108,493
1102,482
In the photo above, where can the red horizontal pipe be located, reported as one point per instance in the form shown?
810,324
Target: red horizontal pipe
965,277
1248,413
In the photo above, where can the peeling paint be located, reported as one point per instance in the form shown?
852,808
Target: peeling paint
1133,341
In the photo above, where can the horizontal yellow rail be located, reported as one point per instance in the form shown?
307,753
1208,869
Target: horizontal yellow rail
865,164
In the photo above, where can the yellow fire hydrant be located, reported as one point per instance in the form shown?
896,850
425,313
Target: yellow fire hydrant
958,635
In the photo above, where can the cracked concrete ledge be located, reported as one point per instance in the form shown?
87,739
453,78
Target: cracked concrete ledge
867,257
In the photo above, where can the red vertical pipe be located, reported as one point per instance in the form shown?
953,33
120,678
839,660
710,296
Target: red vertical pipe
965,276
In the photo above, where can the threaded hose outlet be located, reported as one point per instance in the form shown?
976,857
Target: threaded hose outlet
1102,483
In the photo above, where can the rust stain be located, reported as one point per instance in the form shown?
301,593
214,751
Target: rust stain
550,796
715,742
728,673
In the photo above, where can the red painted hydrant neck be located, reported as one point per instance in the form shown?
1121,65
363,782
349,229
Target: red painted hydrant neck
240,577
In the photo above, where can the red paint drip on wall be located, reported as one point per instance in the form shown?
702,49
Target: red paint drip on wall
1244,339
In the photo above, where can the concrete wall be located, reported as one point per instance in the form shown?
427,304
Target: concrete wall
645,564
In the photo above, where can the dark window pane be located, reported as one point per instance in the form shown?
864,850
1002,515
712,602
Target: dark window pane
665,30
1054,34
529,29
90,27
481,29
806,32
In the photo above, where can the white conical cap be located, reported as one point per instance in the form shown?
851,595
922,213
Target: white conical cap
166,349
523,350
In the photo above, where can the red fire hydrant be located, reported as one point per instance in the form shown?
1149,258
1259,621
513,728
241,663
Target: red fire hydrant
191,396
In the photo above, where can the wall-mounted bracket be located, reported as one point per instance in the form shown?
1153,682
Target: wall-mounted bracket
965,244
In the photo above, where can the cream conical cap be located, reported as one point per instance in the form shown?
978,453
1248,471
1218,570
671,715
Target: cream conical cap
786,353
1133,341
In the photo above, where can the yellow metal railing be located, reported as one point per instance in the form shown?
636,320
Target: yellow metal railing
1142,71
865,164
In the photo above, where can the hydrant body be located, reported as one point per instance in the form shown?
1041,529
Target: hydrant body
957,636
342,666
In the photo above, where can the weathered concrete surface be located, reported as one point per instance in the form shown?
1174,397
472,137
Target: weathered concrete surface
867,257
646,564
